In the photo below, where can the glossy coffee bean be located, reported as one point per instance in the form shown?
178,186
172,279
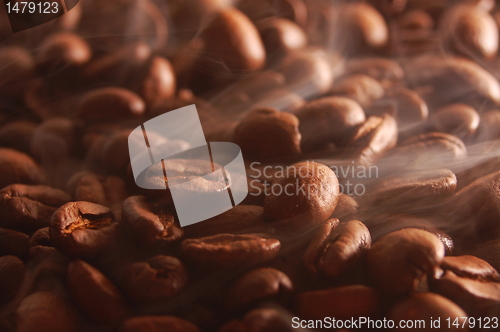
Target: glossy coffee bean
470,267
153,323
62,50
328,119
362,89
159,278
309,194
281,36
489,126
159,82
95,294
11,276
225,250
395,276
28,208
457,119
266,133
82,229
18,167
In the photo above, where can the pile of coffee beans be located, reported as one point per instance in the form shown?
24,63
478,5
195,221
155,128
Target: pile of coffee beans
370,132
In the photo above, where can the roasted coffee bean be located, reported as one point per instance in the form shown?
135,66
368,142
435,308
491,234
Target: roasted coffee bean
238,220
317,243
373,138
260,320
489,126
470,267
11,277
62,50
17,70
18,167
232,40
155,323
40,238
225,250
82,229
457,119
281,36
149,226
362,89
159,278
470,31
346,206
343,302
312,199
54,140
95,294
109,104
256,285
17,135
46,312
467,293
159,82
266,133
28,208
13,243
413,253
116,193
410,107
490,252
328,119
115,153
415,20
88,188
385,70
426,306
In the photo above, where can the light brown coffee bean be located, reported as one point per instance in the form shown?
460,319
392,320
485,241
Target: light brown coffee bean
309,194
457,119
153,323
343,302
159,82
258,285
18,167
225,250
62,50
280,36
266,133
232,40
363,89
400,260
95,294
426,306
489,126
470,267
109,104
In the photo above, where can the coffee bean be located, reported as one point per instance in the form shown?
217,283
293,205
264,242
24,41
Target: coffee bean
116,192
149,226
410,107
40,238
457,119
109,104
13,243
115,153
232,39
257,285
158,278
317,243
227,250
470,267
415,20
17,135
343,302
62,50
152,323
265,133
37,313
18,167
385,70
312,198
361,88
262,320
413,253
159,82
95,294
280,36
82,229
328,119
54,140
489,126
11,277
28,208
17,70
426,306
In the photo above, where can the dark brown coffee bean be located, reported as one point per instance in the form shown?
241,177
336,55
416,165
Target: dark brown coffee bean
257,285
489,126
13,243
238,220
328,119
95,294
457,119
266,133
345,246
149,226
281,36
400,260
82,229
410,107
116,192
425,307
470,267
89,188
28,208
11,277
341,302
110,104
40,238
470,31
307,195
61,50
317,243
115,153
159,278
17,135
159,82
157,323
226,250
232,40
259,320
373,138
346,206
490,252
46,312
17,70
361,88
18,167
467,293
384,70
54,140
